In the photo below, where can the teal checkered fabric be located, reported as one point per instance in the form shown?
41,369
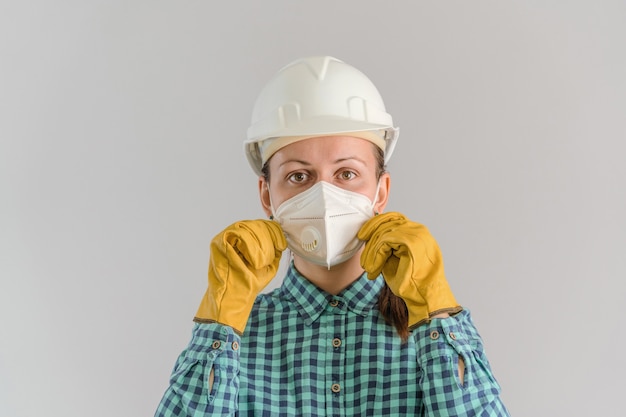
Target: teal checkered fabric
308,353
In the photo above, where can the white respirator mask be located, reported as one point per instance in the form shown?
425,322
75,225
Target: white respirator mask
321,223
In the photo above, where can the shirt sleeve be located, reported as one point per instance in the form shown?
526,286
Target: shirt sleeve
440,343
212,347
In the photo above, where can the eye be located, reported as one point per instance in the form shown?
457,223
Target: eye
298,177
347,175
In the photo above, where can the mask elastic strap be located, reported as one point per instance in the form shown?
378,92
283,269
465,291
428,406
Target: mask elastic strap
376,197
271,203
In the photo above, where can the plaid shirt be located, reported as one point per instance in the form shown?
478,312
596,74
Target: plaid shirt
308,353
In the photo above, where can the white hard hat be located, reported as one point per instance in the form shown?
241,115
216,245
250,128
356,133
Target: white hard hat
317,96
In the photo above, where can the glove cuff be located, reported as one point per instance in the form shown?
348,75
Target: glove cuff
231,315
211,321
418,318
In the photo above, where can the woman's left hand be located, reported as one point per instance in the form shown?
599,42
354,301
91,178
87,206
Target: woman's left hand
410,260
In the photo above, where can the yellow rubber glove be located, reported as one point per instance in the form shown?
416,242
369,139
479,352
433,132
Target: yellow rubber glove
244,259
410,261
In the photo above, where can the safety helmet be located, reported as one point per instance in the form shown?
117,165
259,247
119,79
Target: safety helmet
317,96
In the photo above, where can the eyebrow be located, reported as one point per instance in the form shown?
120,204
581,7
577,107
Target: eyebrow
298,161
337,161
355,158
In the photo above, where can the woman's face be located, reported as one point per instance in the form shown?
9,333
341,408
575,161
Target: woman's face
344,161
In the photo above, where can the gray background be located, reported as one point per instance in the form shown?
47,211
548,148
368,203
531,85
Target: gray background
121,156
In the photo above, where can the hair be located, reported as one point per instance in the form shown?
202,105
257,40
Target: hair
392,307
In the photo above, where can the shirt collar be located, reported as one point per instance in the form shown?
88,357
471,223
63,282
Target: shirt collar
360,297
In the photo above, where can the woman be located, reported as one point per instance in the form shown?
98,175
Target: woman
364,322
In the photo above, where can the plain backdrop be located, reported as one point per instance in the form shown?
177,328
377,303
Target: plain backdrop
121,128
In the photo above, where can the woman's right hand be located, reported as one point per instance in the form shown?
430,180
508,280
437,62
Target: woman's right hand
244,258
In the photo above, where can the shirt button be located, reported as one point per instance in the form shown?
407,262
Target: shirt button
235,345
336,342
434,335
334,303
335,388
216,344
452,336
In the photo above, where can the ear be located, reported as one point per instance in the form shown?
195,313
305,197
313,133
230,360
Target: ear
383,193
264,195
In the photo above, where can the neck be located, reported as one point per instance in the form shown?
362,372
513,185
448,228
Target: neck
333,280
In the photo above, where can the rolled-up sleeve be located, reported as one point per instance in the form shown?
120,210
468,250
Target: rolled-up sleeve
440,344
213,347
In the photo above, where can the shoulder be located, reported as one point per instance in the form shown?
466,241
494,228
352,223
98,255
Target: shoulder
272,300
